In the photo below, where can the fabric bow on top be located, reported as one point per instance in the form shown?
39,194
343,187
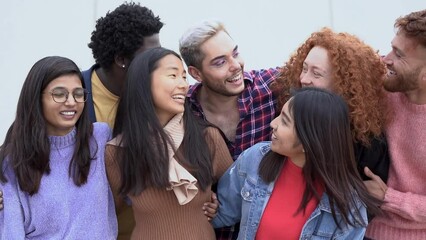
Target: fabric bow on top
182,182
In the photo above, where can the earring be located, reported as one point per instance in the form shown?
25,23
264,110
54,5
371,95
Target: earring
123,66
303,150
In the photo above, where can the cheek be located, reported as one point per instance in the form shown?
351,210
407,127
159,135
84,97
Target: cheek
47,107
241,61
81,107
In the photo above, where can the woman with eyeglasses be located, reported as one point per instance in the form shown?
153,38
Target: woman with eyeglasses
53,172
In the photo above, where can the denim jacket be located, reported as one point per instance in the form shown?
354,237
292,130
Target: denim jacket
243,196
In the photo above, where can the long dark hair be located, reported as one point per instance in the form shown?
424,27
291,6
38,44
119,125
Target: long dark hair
142,163
27,143
321,121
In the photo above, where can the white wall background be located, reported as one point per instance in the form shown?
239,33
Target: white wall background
266,31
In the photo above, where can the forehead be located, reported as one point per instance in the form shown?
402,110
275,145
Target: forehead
170,61
69,81
409,46
218,45
285,108
150,42
318,55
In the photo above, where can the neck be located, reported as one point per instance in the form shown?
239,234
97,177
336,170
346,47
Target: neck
416,96
112,79
298,160
215,102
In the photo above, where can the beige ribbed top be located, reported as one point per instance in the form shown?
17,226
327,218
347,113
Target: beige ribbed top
158,214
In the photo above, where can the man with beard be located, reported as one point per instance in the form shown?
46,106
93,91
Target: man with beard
239,103
404,195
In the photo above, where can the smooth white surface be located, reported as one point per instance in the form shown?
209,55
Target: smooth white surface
266,31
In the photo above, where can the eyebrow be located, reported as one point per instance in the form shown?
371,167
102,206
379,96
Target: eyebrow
286,116
314,66
223,56
174,68
399,51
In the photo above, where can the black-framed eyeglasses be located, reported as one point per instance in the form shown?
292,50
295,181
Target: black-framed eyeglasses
60,95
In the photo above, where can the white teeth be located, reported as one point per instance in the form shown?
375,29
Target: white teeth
391,72
235,78
178,97
68,113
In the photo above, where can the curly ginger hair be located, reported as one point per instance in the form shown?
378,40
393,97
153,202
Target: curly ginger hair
357,75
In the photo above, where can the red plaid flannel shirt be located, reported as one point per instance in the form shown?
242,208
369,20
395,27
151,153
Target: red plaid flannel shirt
256,105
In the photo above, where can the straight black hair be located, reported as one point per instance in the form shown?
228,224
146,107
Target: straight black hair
142,163
321,122
27,144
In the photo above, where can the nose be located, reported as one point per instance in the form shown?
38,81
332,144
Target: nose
182,83
305,80
70,100
235,64
387,59
273,124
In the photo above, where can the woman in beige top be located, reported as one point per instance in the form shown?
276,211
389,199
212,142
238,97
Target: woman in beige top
162,158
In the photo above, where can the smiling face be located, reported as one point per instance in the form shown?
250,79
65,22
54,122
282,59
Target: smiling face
284,138
61,117
316,69
406,65
222,66
169,88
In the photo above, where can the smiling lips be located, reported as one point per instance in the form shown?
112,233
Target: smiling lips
68,113
179,97
390,72
235,78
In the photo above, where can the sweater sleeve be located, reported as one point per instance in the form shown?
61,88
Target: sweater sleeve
114,176
12,225
221,157
405,204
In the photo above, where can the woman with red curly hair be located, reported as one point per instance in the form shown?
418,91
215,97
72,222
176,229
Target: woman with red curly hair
342,63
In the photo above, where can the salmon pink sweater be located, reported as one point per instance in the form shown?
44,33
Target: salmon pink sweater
405,199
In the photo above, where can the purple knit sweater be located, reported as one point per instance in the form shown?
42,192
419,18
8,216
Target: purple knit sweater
60,209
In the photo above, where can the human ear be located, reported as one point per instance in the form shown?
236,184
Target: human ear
195,73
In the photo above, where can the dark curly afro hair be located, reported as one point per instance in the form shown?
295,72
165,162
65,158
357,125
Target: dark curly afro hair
121,32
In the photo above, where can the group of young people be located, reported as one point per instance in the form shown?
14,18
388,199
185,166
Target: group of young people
327,146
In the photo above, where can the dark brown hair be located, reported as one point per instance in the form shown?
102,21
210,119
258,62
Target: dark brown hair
321,122
142,163
27,145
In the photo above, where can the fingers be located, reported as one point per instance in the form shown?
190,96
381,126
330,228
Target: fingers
214,196
210,208
368,172
374,177
214,199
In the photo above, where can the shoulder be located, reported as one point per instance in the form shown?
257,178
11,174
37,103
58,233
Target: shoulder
87,73
111,155
7,169
324,204
193,89
262,75
251,157
214,139
101,131
213,133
